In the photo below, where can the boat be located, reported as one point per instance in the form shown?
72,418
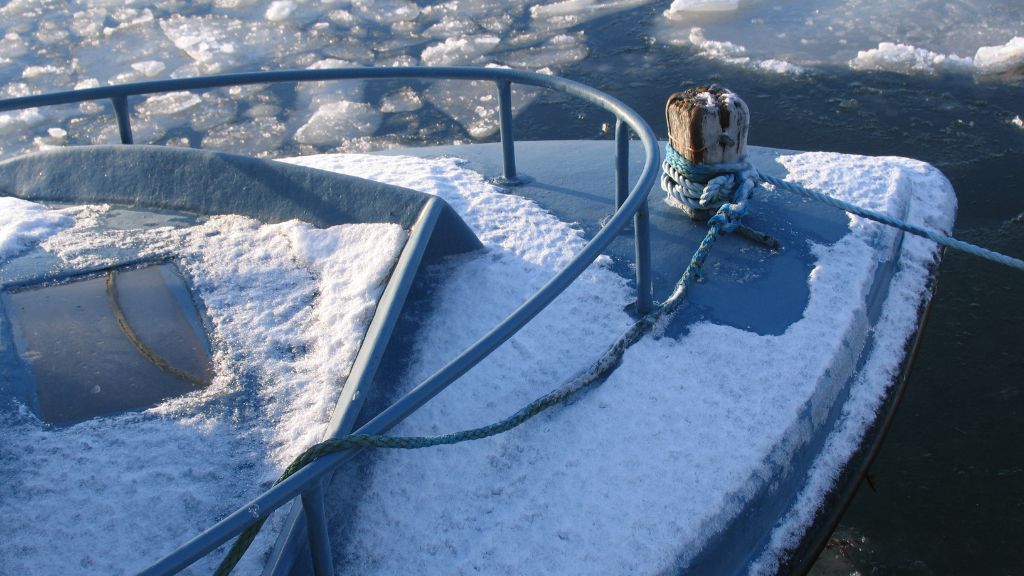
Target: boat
255,308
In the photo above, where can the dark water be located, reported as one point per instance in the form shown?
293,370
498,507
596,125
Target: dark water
947,490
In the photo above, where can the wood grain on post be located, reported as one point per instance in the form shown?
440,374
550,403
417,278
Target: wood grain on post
708,125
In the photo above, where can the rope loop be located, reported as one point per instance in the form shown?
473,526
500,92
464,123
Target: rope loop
724,187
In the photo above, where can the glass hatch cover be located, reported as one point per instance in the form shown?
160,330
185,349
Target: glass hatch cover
106,342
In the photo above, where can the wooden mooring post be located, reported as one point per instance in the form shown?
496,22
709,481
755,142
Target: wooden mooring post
707,125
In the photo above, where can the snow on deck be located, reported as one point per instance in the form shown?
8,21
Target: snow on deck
288,304
631,478
636,475
23,224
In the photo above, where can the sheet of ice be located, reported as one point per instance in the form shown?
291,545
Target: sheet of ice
1001,58
339,121
906,36
404,100
679,8
730,53
280,10
94,42
634,476
24,224
906,58
288,305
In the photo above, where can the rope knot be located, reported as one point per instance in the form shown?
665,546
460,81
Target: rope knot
723,188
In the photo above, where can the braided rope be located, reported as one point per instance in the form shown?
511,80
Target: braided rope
888,220
690,184
705,187
129,333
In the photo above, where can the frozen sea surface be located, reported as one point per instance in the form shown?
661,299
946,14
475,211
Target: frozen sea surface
47,45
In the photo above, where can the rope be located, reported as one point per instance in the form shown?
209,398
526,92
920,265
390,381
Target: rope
888,220
701,188
654,321
697,185
129,332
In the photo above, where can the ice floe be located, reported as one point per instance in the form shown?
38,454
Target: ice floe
907,58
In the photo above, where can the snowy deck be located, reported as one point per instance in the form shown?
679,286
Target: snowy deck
638,476
643,472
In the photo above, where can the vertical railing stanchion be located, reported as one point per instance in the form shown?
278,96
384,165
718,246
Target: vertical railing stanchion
508,143
644,281
316,522
641,220
621,162
124,123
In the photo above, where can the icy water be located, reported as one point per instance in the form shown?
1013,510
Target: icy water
938,81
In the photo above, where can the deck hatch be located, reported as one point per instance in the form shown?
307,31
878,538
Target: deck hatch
115,341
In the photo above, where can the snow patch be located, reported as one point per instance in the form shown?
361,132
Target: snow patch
572,489
24,224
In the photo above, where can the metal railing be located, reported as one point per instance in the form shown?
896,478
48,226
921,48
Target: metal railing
307,483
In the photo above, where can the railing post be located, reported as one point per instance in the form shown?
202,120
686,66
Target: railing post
316,523
508,142
124,123
621,162
641,220
644,280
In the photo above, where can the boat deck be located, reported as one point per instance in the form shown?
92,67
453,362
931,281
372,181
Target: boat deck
742,411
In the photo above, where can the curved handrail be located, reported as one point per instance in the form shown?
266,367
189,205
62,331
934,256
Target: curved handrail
633,205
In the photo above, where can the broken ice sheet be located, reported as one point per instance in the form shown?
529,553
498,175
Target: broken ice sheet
404,100
338,121
220,44
474,105
260,137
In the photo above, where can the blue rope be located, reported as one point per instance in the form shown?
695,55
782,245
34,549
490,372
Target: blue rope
725,187
681,180
888,220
